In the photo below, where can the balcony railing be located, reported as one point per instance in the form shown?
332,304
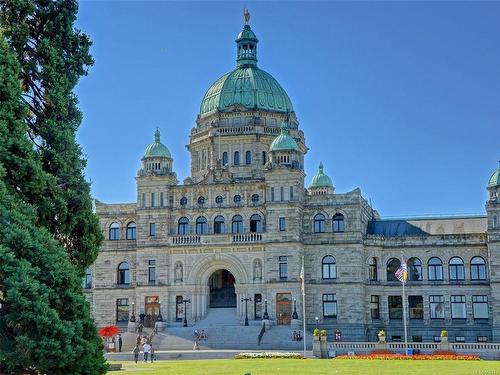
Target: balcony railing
216,238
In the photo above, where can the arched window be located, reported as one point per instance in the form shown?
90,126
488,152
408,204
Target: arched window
183,226
329,268
319,223
114,232
131,231
435,269
477,269
264,158
224,158
184,201
338,223
248,157
414,269
392,266
237,198
456,269
237,224
87,280
201,225
123,277
201,200
255,223
219,199
236,160
219,224
373,273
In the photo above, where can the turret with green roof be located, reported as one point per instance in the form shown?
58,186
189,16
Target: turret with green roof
157,149
157,159
321,183
284,141
494,180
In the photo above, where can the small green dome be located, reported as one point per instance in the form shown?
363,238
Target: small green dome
494,179
321,179
284,141
157,149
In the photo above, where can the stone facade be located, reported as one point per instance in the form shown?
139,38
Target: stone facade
245,209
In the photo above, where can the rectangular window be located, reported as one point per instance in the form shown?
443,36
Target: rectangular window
143,200
395,307
375,307
436,307
436,338
458,310
329,306
122,310
151,271
416,307
396,338
153,200
282,224
291,193
161,199
482,338
480,307
416,338
282,194
152,229
459,338
283,268
272,194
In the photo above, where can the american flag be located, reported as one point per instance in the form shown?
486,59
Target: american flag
402,272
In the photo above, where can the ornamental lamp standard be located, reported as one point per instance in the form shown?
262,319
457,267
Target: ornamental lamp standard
185,302
132,318
246,308
317,319
159,318
295,315
266,315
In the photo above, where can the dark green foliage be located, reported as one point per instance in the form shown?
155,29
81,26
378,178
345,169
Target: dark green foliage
44,319
53,56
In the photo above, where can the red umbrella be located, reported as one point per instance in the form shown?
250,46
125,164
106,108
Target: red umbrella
108,331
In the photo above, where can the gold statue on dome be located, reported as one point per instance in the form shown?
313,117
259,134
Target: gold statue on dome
246,16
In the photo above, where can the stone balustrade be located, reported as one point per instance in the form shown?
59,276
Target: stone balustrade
214,239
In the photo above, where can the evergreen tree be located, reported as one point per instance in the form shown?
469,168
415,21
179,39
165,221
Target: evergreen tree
53,55
44,318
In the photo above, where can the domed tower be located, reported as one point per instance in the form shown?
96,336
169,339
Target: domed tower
493,204
284,150
321,184
155,173
240,116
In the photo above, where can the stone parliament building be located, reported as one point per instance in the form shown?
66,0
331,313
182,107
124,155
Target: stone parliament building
241,224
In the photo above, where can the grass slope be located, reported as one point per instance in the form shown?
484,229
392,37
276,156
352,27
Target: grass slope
310,366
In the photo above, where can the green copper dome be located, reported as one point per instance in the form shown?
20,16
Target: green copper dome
284,141
494,179
321,179
157,149
246,85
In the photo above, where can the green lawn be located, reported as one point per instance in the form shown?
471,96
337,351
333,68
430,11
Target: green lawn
310,366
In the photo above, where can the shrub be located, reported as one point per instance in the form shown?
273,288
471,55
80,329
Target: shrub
323,333
316,332
444,333
381,333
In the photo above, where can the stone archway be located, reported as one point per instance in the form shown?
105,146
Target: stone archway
222,290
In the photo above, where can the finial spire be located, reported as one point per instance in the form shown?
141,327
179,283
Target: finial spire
320,167
157,135
246,16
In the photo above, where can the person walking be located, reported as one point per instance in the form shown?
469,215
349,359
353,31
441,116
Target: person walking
120,342
146,348
152,353
196,340
136,353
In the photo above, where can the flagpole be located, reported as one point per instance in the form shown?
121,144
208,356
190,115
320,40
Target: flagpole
303,306
404,316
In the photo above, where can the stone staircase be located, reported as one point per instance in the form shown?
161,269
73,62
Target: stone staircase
224,331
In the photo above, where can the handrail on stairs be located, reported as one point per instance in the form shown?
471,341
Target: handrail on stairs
262,331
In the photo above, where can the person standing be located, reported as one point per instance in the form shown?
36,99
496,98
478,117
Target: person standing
136,353
152,352
120,342
146,348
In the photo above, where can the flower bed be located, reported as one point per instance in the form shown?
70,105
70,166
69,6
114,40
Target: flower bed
288,355
411,357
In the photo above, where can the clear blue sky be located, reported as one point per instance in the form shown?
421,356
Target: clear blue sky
400,99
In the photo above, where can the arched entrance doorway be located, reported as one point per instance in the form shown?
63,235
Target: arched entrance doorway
222,293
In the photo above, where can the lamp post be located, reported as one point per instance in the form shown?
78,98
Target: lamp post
317,319
266,315
295,315
159,318
246,308
185,302
132,318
